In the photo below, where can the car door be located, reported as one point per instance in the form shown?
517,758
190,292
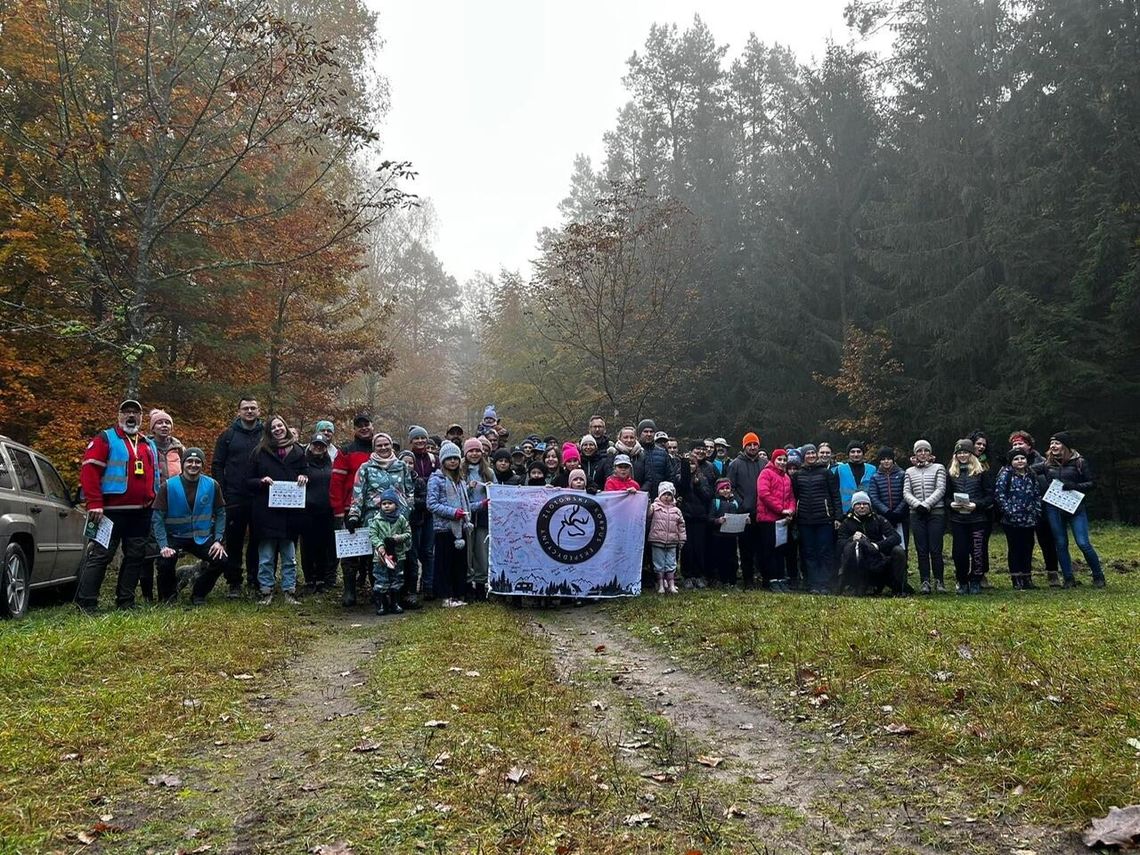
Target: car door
70,521
41,511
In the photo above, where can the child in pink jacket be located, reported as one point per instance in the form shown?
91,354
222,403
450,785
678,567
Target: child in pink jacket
666,536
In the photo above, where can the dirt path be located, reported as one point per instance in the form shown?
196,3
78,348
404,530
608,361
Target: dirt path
794,793
239,795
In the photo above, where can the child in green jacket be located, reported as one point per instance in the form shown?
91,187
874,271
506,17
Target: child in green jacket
390,535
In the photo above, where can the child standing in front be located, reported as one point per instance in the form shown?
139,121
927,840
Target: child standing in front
723,545
390,535
666,536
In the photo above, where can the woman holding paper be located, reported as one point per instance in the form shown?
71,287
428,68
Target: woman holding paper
970,503
277,458
1065,465
775,504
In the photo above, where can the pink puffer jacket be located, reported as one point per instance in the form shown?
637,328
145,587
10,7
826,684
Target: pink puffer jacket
773,494
666,525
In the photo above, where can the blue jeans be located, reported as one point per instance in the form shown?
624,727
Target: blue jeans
817,543
1059,523
664,559
267,552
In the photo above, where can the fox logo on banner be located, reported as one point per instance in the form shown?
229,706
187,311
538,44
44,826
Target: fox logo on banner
565,543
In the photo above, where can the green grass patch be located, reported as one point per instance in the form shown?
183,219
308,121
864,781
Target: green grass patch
1024,699
92,706
449,789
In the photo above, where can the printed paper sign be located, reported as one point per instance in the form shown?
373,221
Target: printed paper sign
99,532
1066,500
286,494
550,543
352,545
781,533
734,523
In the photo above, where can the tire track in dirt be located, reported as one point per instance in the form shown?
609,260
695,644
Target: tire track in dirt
782,769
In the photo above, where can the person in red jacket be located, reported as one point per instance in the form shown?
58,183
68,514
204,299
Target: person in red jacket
120,477
350,457
775,502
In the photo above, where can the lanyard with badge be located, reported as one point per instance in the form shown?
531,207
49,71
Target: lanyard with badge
140,467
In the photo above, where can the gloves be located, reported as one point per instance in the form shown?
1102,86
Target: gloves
460,514
350,524
390,545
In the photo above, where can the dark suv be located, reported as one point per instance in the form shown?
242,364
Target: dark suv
41,529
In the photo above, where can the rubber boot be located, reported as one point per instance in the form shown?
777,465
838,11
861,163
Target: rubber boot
349,598
381,602
394,606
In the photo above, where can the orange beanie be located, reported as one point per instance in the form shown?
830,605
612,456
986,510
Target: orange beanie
751,437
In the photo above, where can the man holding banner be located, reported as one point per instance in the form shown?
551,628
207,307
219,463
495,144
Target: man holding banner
566,543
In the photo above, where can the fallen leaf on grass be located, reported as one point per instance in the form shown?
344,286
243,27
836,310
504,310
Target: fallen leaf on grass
472,674
436,723
898,729
455,669
165,781
747,725
339,847
733,810
639,819
311,786
267,736
601,648
1133,743
191,703
943,676
1121,827
633,746
366,746
820,700
243,676
659,777
965,652
517,774
709,760
73,756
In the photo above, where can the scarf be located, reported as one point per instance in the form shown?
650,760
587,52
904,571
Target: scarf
632,450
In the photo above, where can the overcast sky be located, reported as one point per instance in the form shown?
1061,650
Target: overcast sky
492,100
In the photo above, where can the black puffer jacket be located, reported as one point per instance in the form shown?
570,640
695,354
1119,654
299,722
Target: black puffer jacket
876,529
817,495
980,491
1075,473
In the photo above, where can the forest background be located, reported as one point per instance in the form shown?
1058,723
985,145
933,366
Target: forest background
195,203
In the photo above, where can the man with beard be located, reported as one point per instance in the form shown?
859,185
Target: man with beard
350,457
120,478
230,468
598,432
742,474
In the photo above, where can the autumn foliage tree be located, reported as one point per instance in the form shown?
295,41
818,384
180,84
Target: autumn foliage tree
868,385
184,203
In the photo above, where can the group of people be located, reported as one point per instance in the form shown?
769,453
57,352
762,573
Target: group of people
803,520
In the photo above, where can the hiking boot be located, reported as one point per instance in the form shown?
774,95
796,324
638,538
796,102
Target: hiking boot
924,588
961,589
1071,583
940,586
291,598
394,606
1098,582
1055,581
266,598
233,592
976,586
197,601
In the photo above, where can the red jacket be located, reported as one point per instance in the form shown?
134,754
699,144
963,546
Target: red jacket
140,489
352,456
615,484
773,494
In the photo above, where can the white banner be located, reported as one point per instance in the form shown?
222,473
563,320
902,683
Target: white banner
565,543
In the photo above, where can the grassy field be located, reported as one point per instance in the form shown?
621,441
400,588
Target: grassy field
93,705
1023,699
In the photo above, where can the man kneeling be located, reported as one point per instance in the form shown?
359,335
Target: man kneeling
872,557
189,515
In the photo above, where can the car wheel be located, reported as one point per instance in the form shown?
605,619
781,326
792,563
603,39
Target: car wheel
14,582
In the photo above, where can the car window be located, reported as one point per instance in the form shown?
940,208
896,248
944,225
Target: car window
56,489
26,474
5,475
